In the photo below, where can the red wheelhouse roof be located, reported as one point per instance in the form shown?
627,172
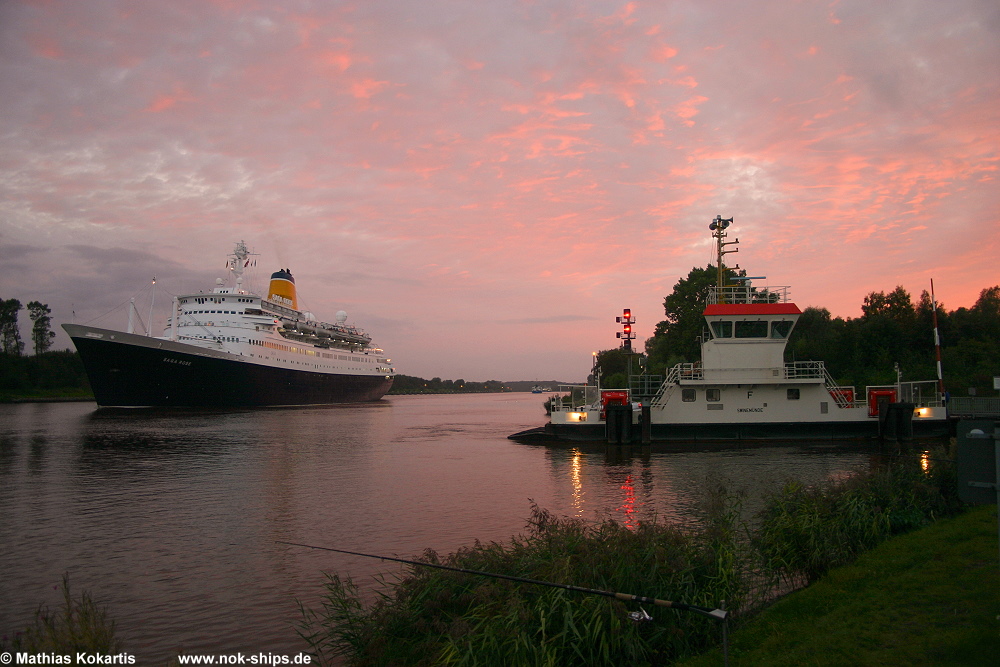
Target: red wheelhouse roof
752,309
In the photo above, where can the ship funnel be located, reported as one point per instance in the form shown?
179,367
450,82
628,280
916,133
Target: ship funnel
282,289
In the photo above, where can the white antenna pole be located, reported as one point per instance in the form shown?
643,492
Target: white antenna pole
131,315
152,298
937,344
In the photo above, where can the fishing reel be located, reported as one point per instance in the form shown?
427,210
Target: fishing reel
640,616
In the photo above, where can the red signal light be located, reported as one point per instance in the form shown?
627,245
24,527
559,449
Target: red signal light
628,328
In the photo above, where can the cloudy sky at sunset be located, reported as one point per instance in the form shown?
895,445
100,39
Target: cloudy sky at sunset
483,186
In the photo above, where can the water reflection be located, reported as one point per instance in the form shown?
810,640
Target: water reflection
634,484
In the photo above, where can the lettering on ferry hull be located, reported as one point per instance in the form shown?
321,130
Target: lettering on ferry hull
749,409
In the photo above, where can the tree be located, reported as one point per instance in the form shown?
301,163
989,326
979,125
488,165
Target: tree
987,309
10,336
41,332
676,339
615,365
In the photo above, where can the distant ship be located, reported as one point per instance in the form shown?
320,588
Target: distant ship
233,348
742,389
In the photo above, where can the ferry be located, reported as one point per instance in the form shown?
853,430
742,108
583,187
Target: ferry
231,347
743,389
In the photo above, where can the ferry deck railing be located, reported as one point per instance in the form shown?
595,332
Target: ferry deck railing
748,294
644,388
581,396
974,407
922,393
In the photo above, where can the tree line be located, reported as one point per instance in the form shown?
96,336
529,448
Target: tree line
892,329
408,384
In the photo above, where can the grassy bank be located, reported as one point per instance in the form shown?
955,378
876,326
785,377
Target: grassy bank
928,597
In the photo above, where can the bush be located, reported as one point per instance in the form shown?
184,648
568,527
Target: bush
78,626
804,532
443,617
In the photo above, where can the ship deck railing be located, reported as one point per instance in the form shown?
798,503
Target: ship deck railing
745,294
794,370
645,388
922,393
578,398
974,407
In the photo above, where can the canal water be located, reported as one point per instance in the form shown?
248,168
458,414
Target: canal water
172,519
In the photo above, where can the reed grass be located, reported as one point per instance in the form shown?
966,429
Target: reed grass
78,625
441,617
426,616
803,532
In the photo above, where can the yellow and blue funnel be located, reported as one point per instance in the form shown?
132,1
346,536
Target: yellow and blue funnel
282,289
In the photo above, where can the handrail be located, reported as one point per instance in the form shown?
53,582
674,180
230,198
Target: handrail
974,406
747,294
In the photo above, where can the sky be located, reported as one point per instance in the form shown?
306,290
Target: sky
484,186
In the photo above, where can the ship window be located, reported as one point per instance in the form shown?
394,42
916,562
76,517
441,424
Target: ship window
757,329
722,329
713,395
793,394
781,329
688,394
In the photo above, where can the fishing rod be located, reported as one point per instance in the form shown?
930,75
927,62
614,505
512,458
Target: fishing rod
717,614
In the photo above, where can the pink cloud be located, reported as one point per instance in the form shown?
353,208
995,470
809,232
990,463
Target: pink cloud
420,159
662,53
46,47
366,88
164,101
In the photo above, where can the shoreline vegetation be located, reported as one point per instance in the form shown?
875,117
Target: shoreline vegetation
429,616
884,566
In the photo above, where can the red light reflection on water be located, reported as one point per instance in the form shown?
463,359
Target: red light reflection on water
628,504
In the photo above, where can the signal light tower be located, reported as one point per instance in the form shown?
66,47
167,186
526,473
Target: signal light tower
626,334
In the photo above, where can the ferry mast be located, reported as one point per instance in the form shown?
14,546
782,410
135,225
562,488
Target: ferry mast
718,227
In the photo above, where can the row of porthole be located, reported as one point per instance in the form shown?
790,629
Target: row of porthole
306,363
690,394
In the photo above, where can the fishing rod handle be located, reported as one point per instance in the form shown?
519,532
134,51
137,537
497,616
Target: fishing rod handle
625,597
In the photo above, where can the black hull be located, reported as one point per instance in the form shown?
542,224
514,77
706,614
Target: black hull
135,371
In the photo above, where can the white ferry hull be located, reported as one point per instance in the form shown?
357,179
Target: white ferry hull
733,432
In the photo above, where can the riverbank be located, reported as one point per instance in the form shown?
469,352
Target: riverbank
802,534
46,399
928,597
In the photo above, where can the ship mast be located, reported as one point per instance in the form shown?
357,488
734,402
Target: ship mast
239,260
718,228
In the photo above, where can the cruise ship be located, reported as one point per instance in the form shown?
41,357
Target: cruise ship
230,347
